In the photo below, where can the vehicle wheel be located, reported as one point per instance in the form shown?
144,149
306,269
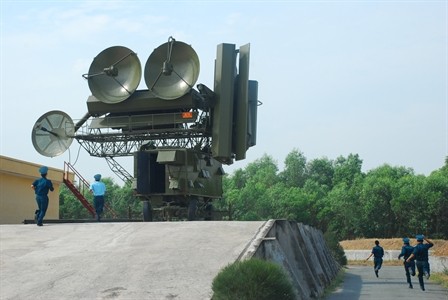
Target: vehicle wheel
147,211
208,215
192,208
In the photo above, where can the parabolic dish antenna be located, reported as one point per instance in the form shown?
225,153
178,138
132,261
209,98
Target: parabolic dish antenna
114,74
171,70
53,133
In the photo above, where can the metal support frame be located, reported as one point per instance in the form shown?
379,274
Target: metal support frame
119,170
109,142
126,145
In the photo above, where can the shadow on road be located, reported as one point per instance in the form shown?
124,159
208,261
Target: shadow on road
350,289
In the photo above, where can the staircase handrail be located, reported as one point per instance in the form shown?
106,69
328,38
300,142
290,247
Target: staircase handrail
69,168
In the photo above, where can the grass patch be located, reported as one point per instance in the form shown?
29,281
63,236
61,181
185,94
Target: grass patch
335,283
252,279
441,278
370,263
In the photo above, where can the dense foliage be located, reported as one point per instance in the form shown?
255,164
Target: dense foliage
120,200
332,195
336,196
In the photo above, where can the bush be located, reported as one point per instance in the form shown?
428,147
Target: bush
335,248
253,279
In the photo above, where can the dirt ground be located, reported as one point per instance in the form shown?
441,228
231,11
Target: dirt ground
440,247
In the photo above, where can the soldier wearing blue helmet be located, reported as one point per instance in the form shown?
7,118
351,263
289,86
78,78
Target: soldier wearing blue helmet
41,187
420,254
378,253
409,267
98,189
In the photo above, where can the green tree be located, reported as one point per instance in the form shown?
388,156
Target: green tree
315,193
337,196
409,205
289,203
341,210
125,204
378,191
294,173
436,190
120,200
70,207
347,169
321,171
247,195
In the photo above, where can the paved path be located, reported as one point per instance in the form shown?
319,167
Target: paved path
361,283
145,260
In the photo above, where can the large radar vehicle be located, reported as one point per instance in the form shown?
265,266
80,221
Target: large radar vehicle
180,135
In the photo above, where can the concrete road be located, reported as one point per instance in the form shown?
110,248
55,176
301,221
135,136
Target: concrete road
169,260
361,283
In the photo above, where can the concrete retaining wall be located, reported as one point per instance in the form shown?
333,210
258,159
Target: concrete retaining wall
301,250
437,263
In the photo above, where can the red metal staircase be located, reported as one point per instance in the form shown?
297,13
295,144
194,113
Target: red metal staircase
83,186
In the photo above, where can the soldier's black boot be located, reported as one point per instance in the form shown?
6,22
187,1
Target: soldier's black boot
420,280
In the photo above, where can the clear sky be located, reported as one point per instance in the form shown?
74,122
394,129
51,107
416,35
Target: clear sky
335,77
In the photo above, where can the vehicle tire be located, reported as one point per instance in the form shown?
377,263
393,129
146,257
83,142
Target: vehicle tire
147,211
192,208
208,212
